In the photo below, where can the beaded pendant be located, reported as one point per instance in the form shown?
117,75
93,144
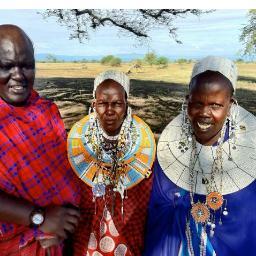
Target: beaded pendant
99,189
200,212
214,200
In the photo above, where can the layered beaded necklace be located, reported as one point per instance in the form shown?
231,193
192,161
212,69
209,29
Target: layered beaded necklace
110,176
205,212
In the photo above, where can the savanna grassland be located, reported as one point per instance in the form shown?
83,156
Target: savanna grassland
156,93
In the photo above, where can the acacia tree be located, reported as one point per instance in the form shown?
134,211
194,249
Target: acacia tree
137,22
248,36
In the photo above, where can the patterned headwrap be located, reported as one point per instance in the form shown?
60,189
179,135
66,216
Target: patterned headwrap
115,75
222,65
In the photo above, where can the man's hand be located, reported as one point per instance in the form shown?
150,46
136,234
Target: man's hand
48,242
60,221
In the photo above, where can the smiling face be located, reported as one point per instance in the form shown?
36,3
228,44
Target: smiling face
17,65
209,103
110,105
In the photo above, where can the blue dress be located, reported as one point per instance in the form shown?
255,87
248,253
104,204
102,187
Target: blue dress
170,207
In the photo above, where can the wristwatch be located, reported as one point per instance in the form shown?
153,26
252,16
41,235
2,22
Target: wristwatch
37,217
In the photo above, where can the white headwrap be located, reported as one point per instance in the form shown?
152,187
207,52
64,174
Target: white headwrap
222,65
115,75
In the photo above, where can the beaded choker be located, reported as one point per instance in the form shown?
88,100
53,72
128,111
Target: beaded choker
108,137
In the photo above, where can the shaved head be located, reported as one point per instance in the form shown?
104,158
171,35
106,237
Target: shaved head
17,65
13,32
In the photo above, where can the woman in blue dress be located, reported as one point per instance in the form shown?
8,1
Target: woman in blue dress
203,197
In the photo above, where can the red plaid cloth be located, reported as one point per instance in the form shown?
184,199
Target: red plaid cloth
33,160
131,228
9,246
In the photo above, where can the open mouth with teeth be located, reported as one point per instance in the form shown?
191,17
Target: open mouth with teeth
18,89
204,126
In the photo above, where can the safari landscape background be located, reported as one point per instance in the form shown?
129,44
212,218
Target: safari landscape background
156,95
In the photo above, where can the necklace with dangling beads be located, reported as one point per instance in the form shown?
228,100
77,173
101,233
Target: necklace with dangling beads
110,178
204,212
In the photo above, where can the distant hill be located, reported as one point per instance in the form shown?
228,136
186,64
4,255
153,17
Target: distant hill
126,57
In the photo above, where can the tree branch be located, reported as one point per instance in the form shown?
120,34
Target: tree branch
96,21
138,22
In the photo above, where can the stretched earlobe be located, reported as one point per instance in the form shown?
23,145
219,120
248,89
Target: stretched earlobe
234,100
93,103
186,99
92,107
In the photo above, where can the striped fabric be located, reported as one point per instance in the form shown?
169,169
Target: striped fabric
33,161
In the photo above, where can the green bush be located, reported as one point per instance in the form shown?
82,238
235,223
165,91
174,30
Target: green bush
150,58
162,61
115,62
111,60
239,60
107,59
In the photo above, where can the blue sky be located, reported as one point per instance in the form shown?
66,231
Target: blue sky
214,33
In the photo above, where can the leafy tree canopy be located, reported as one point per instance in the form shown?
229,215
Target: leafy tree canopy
248,36
136,22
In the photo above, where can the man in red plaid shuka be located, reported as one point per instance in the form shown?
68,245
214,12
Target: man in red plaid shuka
38,190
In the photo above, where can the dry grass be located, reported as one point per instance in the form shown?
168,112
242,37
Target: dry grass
174,73
156,94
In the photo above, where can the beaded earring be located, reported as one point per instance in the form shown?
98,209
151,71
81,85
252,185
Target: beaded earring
233,123
92,117
129,114
186,130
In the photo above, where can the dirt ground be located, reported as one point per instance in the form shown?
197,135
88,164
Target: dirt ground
156,102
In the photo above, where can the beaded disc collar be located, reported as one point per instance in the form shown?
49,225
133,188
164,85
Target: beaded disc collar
239,158
138,159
